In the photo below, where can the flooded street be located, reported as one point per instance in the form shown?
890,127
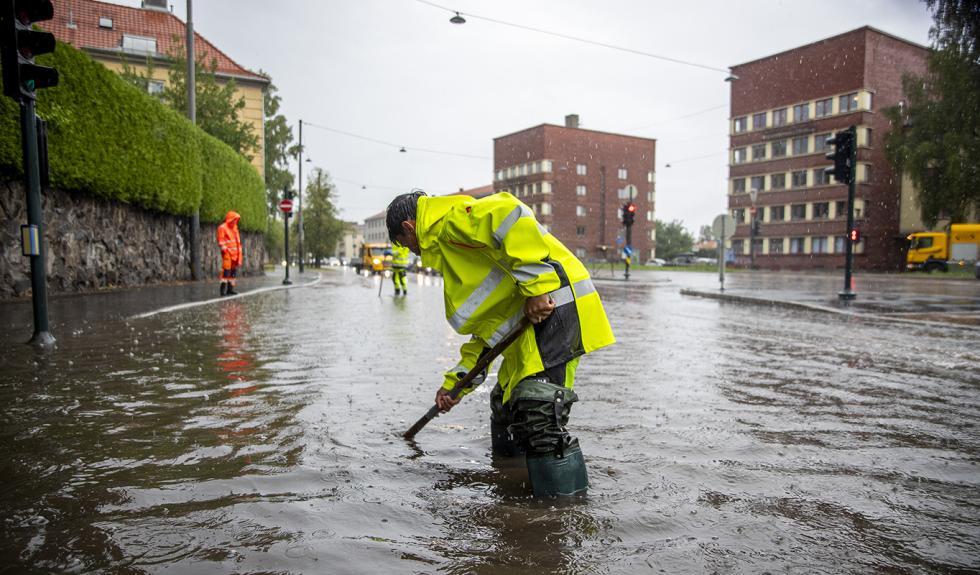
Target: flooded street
262,435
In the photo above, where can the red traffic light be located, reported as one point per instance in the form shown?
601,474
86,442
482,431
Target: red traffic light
854,235
631,207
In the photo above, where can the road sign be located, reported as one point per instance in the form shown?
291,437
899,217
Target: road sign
286,206
628,250
620,240
723,227
630,191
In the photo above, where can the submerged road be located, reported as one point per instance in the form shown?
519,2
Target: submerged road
262,434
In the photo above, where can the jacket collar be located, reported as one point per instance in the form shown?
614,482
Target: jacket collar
430,217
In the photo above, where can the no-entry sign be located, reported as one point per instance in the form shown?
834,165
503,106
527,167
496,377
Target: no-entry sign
285,206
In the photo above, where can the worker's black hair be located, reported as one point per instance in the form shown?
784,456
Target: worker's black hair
401,209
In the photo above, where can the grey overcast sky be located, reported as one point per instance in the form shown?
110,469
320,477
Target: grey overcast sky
397,71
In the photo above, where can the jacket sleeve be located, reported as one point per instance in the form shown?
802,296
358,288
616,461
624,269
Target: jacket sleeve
469,354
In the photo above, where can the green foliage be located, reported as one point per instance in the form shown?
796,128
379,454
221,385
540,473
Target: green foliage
108,138
935,138
216,108
278,149
320,222
672,239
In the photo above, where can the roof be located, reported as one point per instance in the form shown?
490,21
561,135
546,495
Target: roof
477,193
547,125
831,38
76,22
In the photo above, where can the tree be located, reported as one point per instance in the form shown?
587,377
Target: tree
935,136
217,108
673,239
278,150
320,222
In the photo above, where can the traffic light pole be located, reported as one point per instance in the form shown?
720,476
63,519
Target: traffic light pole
285,220
848,294
629,243
299,216
39,291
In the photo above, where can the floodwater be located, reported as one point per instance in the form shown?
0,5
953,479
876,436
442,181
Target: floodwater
262,435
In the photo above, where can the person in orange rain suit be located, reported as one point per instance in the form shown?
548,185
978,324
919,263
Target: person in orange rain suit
230,243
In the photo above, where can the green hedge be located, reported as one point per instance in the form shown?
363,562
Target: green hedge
108,138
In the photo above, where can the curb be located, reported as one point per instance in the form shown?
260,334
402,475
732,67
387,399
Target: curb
751,300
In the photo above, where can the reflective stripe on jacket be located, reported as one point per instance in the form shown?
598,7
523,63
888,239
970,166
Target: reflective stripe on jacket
493,255
399,256
229,240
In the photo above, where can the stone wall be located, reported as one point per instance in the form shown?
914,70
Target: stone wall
92,243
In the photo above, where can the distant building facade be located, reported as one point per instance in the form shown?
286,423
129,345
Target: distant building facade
350,241
576,181
121,36
783,108
375,228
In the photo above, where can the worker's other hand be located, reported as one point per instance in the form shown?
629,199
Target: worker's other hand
444,401
538,308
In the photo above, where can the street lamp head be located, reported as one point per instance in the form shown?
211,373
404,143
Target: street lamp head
403,150
731,78
457,19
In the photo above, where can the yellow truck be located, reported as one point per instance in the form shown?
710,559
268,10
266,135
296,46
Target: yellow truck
375,258
937,251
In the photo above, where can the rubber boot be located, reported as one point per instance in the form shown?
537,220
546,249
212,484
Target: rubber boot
501,441
224,288
231,290
552,475
397,291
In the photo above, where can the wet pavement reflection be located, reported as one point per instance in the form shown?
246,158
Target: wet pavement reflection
262,435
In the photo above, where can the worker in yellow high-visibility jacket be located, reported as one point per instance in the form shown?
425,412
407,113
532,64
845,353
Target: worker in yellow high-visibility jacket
498,263
399,268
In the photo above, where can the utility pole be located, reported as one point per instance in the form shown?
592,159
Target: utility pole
299,216
844,170
192,116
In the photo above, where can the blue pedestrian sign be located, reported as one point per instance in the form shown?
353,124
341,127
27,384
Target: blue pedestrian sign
628,251
620,241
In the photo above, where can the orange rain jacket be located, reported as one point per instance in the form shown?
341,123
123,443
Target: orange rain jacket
230,242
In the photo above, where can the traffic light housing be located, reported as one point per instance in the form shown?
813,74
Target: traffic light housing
20,44
854,235
629,213
842,154
288,194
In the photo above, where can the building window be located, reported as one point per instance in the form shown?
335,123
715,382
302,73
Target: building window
824,108
650,215
650,196
738,247
868,132
797,212
799,179
739,215
757,183
776,246
546,166
821,210
500,175
777,181
545,187
777,213
818,245
801,112
758,152
105,22
651,177
580,190
154,87
820,143
740,155
545,209
839,246
820,177
757,245
738,186
840,209
848,102
801,145
741,124
622,173
524,170
867,174
580,169
759,121
580,211
535,167
580,230
580,253
139,44
796,245
624,193
779,117
779,148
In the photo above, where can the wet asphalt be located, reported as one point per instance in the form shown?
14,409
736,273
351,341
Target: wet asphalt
261,434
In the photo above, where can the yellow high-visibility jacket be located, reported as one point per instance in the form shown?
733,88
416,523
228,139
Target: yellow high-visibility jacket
493,255
399,256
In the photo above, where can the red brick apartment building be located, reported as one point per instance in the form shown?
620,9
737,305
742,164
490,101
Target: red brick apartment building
783,108
576,181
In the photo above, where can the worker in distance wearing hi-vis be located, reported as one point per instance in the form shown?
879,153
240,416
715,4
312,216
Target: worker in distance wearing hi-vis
230,243
399,268
499,264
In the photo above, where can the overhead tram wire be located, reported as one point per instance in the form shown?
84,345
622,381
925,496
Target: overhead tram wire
400,147
578,39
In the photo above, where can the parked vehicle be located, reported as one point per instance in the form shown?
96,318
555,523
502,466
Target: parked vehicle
937,251
682,260
656,262
375,258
